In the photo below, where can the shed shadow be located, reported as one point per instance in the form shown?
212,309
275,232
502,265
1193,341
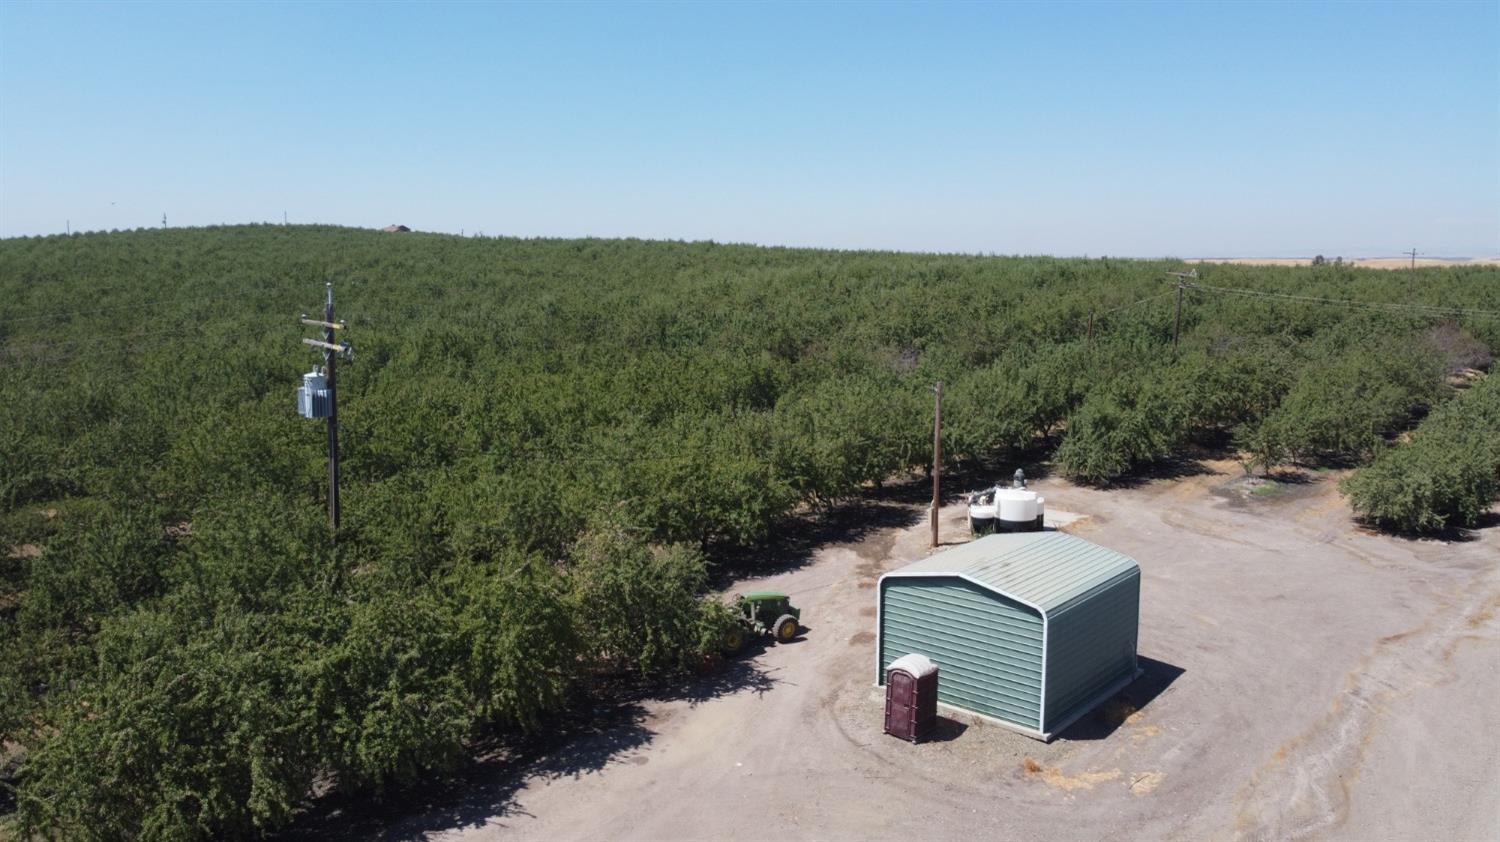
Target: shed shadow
1101,722
946,730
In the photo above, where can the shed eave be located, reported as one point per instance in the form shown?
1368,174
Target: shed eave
1040,568
956,574
1041,712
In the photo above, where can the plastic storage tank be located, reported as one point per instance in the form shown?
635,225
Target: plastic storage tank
982,513
1018,510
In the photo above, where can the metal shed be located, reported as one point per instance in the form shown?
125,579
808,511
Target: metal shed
1031,629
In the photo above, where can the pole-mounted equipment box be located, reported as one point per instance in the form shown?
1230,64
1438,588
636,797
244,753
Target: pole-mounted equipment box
313,400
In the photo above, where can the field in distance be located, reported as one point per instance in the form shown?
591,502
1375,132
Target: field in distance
1362,262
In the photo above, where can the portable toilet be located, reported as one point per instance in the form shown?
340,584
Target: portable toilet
911,696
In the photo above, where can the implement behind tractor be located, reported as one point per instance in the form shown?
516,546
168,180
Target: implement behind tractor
762,613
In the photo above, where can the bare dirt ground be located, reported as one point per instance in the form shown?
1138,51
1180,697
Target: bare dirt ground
1303,679
1362,262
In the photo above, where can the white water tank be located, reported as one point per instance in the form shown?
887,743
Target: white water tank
1017,510
1016,504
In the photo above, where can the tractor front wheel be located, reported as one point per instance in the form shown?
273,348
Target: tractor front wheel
734,640
786,628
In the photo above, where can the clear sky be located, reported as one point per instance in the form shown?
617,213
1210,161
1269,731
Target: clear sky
1202,129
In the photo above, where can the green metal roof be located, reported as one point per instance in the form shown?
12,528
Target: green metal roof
756,595
1046,570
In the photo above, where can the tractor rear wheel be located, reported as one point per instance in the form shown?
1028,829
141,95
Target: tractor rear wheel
734,639
785,628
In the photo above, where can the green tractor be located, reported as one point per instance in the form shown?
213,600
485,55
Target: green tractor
761,613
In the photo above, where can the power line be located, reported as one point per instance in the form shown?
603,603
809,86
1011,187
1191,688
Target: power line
105,339
1134,303
18,348
571,458
1429,309
137,306
1183,279
156,302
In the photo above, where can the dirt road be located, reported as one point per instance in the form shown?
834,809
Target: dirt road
1303,680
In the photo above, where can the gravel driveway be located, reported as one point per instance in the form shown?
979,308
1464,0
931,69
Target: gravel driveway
1304,679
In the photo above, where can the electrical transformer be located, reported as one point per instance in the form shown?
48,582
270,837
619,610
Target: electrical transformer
313,398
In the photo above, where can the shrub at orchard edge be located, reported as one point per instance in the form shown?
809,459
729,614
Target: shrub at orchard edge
1448,474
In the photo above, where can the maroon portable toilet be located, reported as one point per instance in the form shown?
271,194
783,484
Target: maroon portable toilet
911,684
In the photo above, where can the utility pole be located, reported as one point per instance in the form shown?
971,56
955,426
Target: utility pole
1413,254
333,413
1181,285
331,350
937,457
163,219
1177,322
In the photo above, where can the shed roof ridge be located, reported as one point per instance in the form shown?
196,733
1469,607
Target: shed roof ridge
1052,559
1088,567
1043,569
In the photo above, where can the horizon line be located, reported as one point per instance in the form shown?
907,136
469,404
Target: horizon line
463,233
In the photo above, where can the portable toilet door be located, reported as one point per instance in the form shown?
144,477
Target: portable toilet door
911,697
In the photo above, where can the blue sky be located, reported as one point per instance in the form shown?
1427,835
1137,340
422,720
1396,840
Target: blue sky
1125,129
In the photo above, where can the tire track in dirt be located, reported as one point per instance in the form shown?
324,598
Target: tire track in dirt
1305,786
1206,528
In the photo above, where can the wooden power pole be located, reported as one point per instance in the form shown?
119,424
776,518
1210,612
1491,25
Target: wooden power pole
331,350
937,457
333,413
1182,278
1177,322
